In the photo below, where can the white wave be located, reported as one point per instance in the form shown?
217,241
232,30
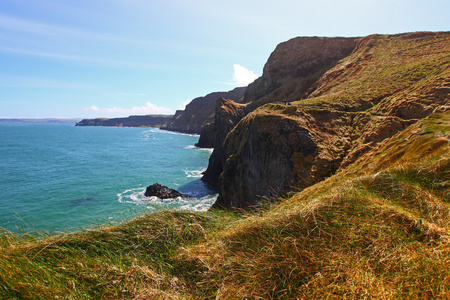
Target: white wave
136,196
132,196
200,204
149,134
210,150
194,173
190,147
177,132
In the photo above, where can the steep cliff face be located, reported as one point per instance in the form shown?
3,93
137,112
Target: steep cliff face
200,111
386,84
277,149
228,113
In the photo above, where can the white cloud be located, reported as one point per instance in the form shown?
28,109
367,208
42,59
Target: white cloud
147,109
92,108
242,76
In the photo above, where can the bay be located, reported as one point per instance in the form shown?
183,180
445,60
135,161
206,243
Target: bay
58,177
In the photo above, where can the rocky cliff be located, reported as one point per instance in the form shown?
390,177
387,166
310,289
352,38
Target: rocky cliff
227,114
383,85
131,121
294,66
200,111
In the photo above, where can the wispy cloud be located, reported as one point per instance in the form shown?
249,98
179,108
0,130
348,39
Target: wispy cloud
81,59
13,81
43,29
147,109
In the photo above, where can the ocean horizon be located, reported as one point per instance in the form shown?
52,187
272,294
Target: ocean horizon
61,177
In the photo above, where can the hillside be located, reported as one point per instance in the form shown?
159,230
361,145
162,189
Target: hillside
131,121
345,194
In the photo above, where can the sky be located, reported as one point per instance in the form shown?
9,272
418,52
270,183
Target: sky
114,58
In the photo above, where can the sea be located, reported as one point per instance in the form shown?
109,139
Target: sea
62,178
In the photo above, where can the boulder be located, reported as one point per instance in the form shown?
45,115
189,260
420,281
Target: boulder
162,192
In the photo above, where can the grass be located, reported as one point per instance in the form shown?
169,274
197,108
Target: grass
376,230
382,67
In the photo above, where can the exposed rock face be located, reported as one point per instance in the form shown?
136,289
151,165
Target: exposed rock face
200,112
228,113
162,192
277,149
131,121
207,136
386,84
260,154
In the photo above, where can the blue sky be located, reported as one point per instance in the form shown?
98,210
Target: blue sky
110,58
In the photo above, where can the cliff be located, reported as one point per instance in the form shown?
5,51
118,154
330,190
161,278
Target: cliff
200,111
228,114
294,66
386,84
131,121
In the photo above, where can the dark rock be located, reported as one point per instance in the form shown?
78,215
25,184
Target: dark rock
228,114
162,192
200,111
207,136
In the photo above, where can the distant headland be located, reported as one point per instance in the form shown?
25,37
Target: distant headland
131,121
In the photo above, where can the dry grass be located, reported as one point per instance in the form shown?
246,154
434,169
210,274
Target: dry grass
379,230
382,66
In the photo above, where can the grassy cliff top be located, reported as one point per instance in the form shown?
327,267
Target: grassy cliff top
381,66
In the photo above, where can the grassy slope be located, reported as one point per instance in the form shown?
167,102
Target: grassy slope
379,229
380,67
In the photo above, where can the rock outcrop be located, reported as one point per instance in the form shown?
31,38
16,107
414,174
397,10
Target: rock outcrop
200,112
376,87
228,113
131,121
162,192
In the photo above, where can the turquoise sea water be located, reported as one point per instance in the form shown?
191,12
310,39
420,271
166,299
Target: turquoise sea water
61,177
